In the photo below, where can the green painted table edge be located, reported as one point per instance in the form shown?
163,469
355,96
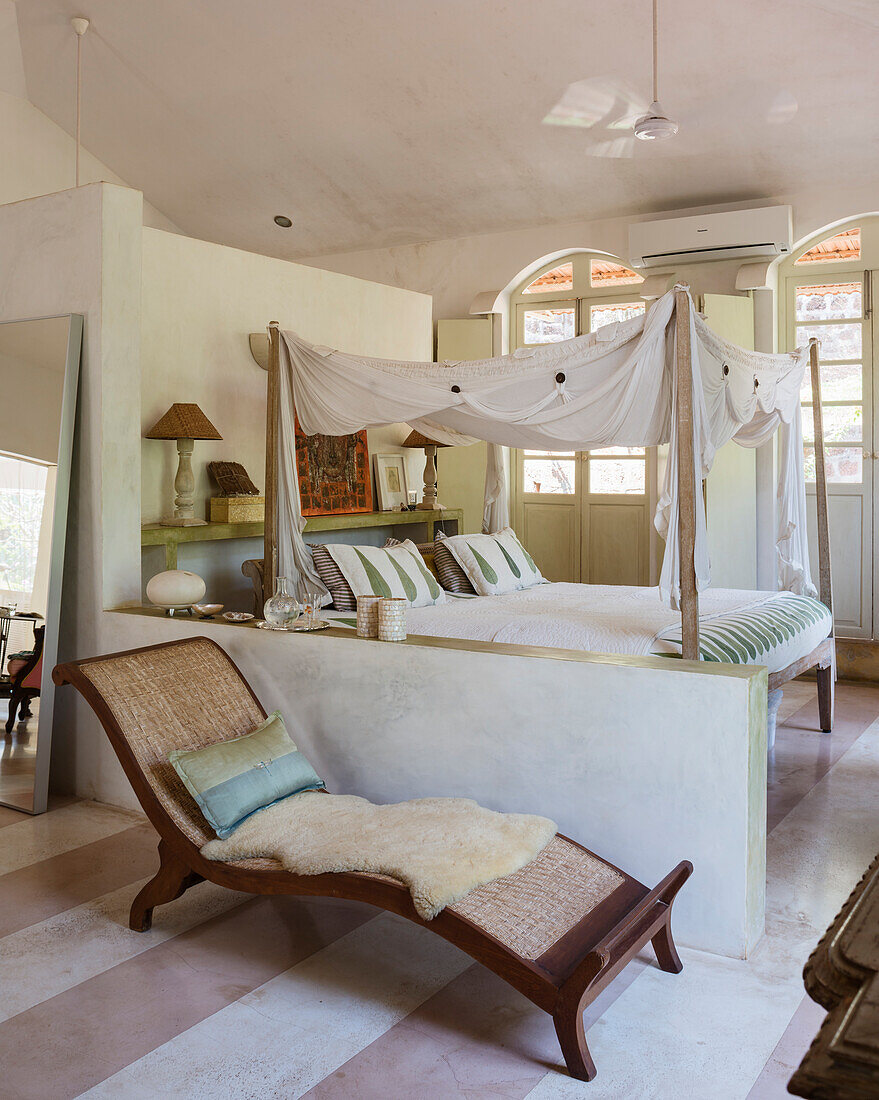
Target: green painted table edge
155,534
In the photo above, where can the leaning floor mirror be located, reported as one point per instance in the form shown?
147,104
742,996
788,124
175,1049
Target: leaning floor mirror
39,375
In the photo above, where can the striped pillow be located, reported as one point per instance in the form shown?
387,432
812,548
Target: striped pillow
451,576
495,564
333,578
392,571
230,780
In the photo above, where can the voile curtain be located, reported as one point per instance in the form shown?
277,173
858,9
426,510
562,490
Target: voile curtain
613,387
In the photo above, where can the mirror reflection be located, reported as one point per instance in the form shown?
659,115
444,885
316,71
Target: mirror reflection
39,365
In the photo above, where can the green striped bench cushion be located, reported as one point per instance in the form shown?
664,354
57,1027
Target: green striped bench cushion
775,633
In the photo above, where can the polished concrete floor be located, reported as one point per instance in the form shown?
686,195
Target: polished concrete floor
231,996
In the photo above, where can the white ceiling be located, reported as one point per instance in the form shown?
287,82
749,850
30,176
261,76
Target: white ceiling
379,122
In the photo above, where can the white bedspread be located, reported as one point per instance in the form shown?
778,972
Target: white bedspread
621,619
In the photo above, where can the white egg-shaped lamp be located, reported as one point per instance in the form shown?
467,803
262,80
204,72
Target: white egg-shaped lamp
175,589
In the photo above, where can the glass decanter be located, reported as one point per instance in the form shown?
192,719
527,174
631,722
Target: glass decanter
282,609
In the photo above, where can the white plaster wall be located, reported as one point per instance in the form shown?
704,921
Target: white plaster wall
200,302
618,752
38,158
75,252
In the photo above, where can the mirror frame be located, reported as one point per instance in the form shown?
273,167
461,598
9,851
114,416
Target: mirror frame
56,558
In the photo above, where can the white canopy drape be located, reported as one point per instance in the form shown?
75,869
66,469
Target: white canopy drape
614,387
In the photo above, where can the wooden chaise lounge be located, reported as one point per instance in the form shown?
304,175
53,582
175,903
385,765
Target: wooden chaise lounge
559,930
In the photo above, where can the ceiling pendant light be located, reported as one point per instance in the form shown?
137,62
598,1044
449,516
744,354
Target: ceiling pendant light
655,125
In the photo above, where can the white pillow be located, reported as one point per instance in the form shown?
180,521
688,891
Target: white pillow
387,571
494,564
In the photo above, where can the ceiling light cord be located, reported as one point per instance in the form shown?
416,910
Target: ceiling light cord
79,99
80,26
655,51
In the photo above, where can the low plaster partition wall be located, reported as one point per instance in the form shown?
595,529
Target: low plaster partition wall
648,761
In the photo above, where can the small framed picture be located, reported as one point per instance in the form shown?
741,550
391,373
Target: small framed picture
390,482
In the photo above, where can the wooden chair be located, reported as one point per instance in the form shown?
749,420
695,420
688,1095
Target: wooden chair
559,930
25,681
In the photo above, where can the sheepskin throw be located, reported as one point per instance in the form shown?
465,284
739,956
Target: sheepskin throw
441,848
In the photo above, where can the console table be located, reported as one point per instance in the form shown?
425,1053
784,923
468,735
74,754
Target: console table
155,534
842,975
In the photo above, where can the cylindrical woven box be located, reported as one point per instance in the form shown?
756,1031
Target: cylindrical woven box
367,616
392,619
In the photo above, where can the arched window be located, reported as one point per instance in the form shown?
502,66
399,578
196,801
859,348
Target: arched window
838,248
557,278
579,295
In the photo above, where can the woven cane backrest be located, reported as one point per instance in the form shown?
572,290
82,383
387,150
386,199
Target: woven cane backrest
182,696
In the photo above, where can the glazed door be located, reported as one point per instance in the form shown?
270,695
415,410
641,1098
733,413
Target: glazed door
584,516
835,309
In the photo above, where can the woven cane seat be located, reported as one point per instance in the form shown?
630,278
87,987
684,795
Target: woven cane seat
532,909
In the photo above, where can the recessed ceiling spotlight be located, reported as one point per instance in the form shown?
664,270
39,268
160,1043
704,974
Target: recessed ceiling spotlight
283,221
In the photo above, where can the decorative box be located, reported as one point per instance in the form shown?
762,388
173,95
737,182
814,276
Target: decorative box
247,509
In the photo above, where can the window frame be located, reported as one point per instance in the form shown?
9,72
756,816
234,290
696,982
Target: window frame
582,297
791,276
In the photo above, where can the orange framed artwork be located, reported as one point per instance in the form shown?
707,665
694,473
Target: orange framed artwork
333,473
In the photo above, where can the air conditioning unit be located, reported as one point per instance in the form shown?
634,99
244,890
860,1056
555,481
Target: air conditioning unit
764,233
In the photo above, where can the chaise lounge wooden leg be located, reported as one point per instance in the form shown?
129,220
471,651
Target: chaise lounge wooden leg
666,952
567,1015
572,1039
825,698
170,881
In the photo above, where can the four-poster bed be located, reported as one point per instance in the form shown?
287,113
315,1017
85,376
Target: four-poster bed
662,378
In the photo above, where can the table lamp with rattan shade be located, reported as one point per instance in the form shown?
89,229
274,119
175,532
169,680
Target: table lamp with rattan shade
416,439
185,423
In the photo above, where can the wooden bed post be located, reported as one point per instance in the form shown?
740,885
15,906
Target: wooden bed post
825,590
687,485
270,538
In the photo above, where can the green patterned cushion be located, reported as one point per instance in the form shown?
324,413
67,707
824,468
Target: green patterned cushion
494,564
230,780
387,571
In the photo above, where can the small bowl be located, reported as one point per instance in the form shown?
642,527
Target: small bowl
207,610
237,616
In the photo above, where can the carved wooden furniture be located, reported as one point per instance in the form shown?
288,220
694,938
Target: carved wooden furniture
842,975
25,682
559,930
7,621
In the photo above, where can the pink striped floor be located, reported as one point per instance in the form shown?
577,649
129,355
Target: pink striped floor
230,996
